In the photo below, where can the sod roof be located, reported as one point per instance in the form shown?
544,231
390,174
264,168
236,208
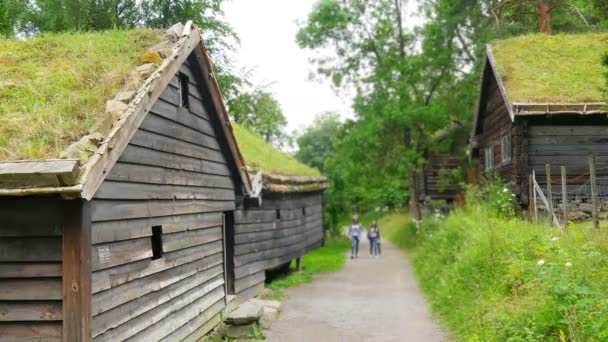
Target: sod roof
53,87
560,68
261,156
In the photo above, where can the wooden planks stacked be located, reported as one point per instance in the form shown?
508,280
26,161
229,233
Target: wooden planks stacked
287,226
173,174
30,269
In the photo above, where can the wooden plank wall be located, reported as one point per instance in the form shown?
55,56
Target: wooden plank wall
30,269
569,145
264,240
496,122
173,174
431,177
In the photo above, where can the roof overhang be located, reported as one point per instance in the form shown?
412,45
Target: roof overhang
66,177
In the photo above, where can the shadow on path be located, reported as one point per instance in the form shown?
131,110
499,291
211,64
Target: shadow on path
369,300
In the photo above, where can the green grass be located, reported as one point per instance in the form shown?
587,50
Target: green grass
395,228
261,156
552,68
327,259
52,87
492,279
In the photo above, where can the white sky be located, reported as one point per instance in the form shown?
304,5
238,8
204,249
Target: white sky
267,30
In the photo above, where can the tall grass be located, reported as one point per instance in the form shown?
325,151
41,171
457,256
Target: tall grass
492,278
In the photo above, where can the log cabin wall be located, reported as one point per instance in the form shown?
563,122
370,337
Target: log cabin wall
30,269
285,227
169,189
494,123
430,185
567,141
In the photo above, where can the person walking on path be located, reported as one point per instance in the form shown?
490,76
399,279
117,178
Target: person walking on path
373,234
354,231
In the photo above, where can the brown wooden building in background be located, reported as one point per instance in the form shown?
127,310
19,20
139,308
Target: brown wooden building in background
514,135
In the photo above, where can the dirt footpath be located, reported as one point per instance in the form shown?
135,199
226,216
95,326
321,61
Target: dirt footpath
369,300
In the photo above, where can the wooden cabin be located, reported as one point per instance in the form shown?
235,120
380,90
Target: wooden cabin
283,218
434,185
124,227
541,102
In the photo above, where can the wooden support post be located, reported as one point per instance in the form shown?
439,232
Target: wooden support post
564,197
299,265
534,191
550,193
77,295
594,200
530,199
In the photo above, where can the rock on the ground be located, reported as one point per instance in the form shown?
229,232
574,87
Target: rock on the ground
270,315
272,304
246,313
240,331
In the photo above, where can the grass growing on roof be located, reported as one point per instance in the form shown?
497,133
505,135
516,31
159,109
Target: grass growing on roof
53,86
557,68
261,156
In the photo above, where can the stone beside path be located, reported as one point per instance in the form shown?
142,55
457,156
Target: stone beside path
369,300
246,317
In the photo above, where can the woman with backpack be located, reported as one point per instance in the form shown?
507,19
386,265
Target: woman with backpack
354,231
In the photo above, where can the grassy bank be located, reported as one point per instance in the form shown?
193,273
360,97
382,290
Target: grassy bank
493,279
329,258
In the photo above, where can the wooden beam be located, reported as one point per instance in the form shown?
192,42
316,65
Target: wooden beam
46,173
77,297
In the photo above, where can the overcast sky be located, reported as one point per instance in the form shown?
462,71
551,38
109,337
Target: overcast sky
267,29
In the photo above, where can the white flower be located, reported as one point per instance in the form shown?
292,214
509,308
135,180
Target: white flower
568,264
555,239
505,190
540,262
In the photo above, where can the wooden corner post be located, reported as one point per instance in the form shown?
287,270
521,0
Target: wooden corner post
77,296
594,200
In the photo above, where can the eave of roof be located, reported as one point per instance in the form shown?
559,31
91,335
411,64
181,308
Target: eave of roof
105,154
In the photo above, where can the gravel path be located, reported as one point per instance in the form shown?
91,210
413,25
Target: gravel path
369,300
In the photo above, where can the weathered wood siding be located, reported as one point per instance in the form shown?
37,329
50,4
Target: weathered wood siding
568,142
430,185
174,174
30,269
494,123
285,227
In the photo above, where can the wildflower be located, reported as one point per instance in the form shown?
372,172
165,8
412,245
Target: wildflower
505,190
540,262
555,238
568,264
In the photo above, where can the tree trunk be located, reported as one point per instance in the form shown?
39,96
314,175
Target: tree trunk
543,17
414,195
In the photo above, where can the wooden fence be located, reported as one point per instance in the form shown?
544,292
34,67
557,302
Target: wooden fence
568,202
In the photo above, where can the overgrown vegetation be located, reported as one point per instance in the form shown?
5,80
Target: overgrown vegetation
492,277
558,68
53,86
327,259
261,156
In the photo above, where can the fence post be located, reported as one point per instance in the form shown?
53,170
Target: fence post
549,191
534,192
594,201
530,196
564,197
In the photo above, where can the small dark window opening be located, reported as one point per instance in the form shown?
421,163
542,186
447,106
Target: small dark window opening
278,214
184,92
303,211
157,242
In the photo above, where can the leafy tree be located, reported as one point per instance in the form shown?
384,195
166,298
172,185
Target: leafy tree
260,112
316,142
